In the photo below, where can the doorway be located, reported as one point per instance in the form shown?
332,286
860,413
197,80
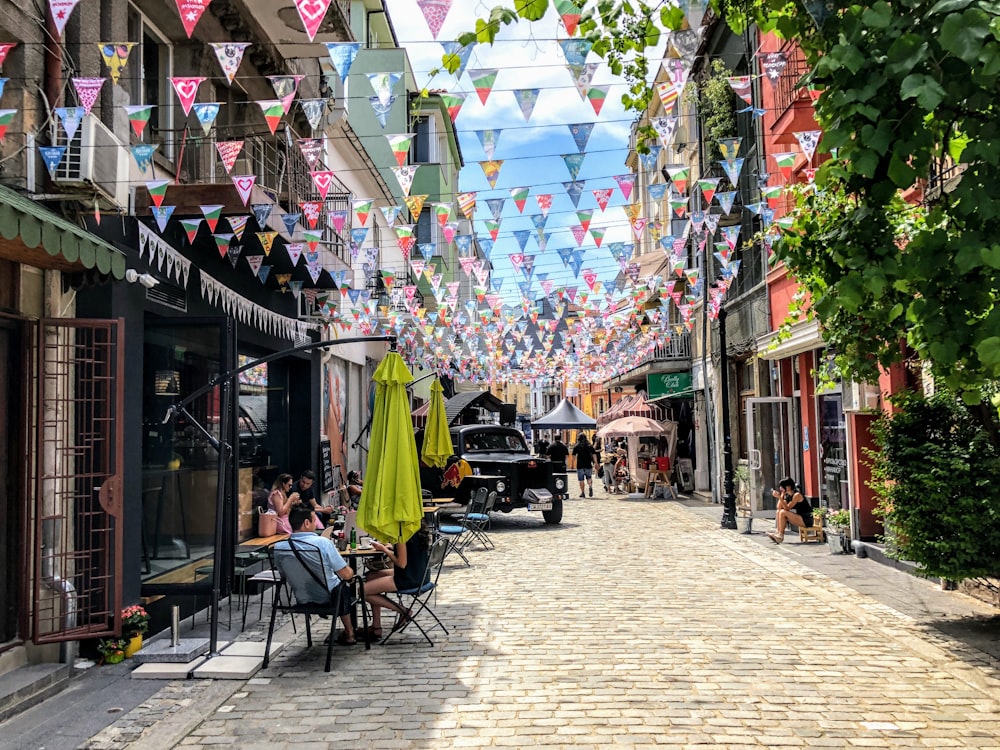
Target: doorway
771,442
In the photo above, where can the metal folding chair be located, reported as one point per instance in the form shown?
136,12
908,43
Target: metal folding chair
417,601
477,520
458,533
313,563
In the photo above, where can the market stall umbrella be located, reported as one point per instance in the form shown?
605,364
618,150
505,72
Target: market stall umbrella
633,428
390,508
565,417
437,445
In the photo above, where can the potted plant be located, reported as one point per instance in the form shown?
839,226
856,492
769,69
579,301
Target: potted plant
135,623
112,650
838,533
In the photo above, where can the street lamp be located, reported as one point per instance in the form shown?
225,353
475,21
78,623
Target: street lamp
729,498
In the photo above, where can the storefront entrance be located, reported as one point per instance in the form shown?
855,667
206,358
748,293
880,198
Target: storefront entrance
771,442
834,488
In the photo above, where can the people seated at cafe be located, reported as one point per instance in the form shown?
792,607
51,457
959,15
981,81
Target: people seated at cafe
354,488
306,586
306,487
281,501
409,566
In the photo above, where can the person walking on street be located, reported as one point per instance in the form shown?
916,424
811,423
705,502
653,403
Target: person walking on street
583,451
558,453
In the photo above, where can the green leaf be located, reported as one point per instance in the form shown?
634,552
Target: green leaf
850,56
906,53
531,10
879,16
962,34
949,6
895,312
956,146
989,351
901,173
991,256
924,89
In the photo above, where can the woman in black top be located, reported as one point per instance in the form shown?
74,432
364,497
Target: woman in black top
408,571
793,509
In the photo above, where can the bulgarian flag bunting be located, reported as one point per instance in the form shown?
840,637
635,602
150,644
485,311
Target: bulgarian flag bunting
597,95
157,191
138,117
212,216
570,14
272,110
454,104
483,80
362,209
191,227
679,176
786,161
520,197
6,117
222,242
400,146
708,187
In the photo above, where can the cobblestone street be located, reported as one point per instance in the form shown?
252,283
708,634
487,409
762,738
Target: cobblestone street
633,623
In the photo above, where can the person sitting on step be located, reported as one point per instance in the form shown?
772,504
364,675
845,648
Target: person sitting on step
793,509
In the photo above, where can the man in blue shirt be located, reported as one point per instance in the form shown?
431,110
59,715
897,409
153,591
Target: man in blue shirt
325,562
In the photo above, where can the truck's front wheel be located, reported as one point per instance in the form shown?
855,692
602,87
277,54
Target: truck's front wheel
554,515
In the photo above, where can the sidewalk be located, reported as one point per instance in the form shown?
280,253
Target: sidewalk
698,636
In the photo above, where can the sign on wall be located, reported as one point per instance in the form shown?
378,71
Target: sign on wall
675,384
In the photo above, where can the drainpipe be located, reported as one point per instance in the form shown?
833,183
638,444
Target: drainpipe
59,586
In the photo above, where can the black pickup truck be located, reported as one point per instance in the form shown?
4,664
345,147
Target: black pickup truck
505,464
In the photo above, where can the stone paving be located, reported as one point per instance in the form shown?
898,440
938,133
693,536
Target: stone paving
634,623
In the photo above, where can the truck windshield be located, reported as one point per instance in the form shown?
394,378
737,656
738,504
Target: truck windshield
494,441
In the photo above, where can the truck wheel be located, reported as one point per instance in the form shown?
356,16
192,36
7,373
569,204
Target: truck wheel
554,515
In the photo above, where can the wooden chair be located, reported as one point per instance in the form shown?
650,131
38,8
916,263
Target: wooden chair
812,533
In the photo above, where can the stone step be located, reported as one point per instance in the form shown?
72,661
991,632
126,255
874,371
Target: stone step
26,686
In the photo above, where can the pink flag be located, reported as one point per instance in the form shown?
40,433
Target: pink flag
229,151
322,180
244,185
312,13
87,90
603,196
625,182
60,10
4,49
435,11
190,12
187,90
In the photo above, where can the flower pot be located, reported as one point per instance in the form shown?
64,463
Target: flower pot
744,524
134,644
837,540
115,657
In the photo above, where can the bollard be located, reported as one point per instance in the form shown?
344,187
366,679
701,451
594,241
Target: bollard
175,626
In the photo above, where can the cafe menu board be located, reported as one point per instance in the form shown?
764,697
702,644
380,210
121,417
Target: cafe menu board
326,467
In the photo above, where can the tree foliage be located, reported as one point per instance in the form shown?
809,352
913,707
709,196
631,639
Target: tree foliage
935,474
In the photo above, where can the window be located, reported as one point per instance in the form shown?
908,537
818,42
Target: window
424,148
150,68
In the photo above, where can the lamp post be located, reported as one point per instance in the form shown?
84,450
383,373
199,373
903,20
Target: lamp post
729,498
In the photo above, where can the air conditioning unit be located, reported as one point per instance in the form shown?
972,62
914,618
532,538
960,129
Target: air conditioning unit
860,396
95,158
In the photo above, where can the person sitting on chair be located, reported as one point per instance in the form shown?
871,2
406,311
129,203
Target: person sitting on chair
354,487
409,563
313,549
793,509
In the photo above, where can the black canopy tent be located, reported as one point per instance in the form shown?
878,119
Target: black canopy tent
565,417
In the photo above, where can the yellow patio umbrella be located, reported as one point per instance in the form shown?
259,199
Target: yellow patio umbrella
390,508
437,445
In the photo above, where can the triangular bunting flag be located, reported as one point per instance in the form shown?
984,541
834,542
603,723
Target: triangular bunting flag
229,55
191,12
115,56
244,186
186,88
483,80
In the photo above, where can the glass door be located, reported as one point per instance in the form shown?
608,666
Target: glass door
771,442
834,491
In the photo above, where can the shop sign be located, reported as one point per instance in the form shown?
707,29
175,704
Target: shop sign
674,384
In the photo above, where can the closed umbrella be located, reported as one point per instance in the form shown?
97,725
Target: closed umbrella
390,508
437,445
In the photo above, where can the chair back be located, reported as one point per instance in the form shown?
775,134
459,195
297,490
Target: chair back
478,502
304,572
435,560
491,500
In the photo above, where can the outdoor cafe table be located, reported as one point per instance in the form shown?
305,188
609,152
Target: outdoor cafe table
352,555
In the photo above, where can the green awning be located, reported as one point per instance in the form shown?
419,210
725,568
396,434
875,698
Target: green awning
26,228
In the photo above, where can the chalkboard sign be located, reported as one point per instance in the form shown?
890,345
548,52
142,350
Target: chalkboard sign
326,467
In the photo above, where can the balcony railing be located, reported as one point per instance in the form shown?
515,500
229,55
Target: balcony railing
678,348
787,91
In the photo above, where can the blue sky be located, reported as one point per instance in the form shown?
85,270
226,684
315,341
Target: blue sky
528,56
